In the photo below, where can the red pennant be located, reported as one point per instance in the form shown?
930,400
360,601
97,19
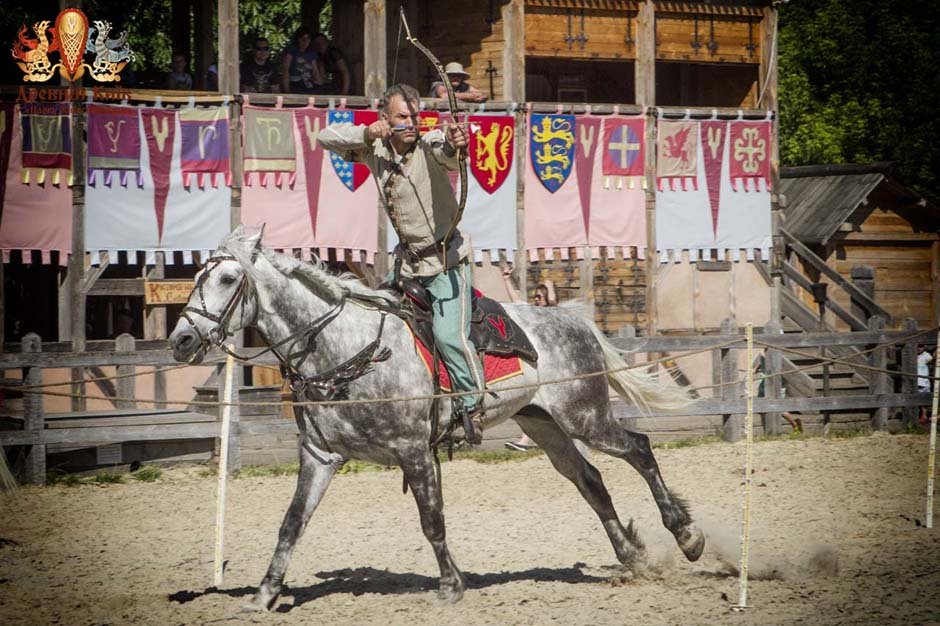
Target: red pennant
714,135
309,122
160,131
587,138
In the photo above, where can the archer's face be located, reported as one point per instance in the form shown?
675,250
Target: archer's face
398,112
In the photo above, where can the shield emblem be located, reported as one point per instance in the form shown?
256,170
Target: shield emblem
551,148
351,174
492,150
623,148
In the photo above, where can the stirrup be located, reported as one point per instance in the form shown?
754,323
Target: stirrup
472,424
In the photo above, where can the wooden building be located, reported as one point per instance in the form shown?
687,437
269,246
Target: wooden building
865,223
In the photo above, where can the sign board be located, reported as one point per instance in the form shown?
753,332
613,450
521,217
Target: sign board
167,291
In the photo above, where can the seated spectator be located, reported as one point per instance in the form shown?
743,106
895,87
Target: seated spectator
458,80
212,76
332,67
299,72
179,78
259,74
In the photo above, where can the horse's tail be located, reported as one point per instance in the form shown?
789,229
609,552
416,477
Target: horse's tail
637,385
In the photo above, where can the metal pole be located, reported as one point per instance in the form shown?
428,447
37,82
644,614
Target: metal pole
749,430
223,469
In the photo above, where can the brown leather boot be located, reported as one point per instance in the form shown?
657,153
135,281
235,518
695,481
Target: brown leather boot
474,420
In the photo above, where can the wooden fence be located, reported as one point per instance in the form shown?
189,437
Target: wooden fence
886,391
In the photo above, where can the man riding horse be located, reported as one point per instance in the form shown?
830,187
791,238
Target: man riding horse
412,175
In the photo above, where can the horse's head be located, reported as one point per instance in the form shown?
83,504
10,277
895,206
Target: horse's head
222,301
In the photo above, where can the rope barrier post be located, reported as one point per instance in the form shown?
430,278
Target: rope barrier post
932,455
223,470
749,441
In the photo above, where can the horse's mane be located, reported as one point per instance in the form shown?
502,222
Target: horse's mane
314,275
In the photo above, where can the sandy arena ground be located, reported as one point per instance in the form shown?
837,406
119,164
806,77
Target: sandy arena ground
836,540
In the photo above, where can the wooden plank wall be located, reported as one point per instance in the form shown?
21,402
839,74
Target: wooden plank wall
905,260
619,290
610,32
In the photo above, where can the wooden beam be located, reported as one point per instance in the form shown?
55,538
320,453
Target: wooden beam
228,46
890,237
33,415
820,265
375,63
117,287
76,264
711,406
513,18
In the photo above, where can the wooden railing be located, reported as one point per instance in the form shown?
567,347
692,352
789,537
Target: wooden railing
884,395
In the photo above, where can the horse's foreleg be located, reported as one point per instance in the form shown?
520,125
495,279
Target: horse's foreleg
572,465
317,469
636,450
421,477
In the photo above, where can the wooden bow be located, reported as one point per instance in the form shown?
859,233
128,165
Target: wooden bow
461,153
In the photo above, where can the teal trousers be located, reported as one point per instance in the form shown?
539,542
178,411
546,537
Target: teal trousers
450,298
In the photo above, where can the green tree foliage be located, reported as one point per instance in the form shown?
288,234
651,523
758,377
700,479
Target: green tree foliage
858,82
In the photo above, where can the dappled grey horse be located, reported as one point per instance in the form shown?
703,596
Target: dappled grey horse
333,332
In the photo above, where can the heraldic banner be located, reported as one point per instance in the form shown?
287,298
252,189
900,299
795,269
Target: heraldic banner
585,184
713,189
324,202
47,142
179,205
34,216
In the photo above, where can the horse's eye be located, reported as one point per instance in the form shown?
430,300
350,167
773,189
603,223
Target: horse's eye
227,279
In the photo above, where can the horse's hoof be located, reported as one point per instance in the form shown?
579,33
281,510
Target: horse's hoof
691,541
450,594
259,603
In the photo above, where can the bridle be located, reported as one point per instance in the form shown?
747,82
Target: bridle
220,332
329,385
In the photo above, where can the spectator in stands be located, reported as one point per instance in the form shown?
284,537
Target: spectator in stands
179,78
331,65
458,80
544,296
923,377
259,74
299,72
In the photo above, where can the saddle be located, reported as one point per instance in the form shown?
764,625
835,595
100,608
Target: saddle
492,331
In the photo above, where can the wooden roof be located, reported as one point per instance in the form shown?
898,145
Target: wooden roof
821,197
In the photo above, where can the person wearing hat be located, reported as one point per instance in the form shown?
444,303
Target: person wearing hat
458,80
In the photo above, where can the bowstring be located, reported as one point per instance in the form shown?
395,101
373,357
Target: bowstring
397,50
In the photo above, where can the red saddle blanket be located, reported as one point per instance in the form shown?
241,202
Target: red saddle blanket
496,367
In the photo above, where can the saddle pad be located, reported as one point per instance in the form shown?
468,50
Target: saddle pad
496,367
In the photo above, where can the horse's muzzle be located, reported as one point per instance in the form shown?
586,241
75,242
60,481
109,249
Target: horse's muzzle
187,348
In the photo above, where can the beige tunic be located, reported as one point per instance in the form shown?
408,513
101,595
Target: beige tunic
415,189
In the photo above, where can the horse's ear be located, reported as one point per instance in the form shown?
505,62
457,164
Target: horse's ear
239,230
254,239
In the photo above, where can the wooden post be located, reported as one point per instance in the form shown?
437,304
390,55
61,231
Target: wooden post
76,265
879,382
627,332
202,59
155,328
375,62
767,76
33,414
863,277
234,438
731,424
586,279
773,384
126,387
645,70
225,395
513,17
228,46
909,371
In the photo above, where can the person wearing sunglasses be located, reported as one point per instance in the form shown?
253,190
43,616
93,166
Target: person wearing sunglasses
259,74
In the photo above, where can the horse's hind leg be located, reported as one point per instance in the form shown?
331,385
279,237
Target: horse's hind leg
572,465
317,469
421,477
612,438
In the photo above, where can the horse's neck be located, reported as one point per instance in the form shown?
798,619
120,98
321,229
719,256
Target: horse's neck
289,308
